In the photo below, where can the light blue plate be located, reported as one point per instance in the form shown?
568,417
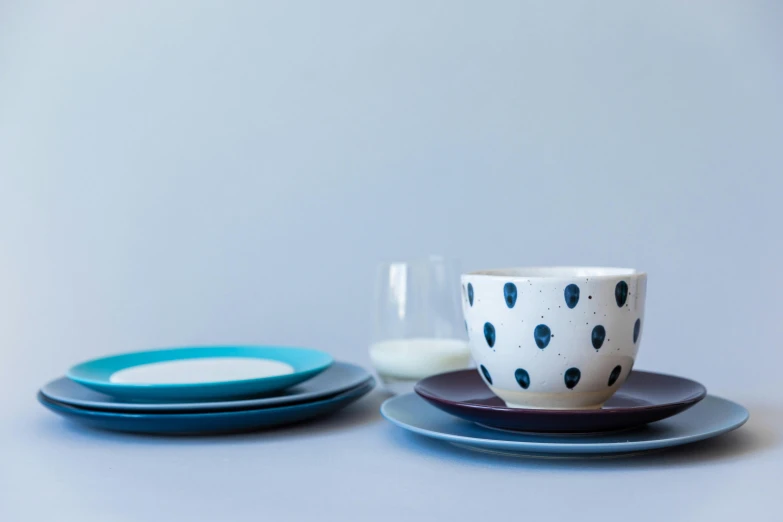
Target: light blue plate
96,374
711,417
206,423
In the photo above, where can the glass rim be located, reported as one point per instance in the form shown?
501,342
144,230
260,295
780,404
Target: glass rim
556,272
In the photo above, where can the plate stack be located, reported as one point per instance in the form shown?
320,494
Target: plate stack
650,411
203,390
555,349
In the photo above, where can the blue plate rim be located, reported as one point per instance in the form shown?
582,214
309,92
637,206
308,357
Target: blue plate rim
359,391
559,447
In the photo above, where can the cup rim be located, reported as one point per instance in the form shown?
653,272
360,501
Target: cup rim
556,272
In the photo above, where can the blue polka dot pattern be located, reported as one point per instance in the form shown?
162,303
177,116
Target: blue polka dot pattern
615,374
470,294
489,334
487,376
510,293
621,293
571,294
636,327
523,378
572,376
542,334
599,334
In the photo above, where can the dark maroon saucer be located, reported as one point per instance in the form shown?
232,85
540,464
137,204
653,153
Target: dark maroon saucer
645,397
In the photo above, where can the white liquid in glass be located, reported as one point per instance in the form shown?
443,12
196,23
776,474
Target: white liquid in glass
414,359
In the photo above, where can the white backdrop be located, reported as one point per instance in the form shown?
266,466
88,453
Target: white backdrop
231,172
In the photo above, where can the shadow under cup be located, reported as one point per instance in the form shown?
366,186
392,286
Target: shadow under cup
554,337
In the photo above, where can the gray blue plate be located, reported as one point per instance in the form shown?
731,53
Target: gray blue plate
206,423
336,379
711,417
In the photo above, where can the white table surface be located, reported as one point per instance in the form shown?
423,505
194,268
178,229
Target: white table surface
354,465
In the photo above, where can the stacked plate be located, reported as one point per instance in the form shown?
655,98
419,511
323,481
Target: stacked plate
649,411
203,390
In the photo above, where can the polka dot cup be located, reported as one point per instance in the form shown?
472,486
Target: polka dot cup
554,338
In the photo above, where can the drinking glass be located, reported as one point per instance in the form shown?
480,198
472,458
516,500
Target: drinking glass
418,328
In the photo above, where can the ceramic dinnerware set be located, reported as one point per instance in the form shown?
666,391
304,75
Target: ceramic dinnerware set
203,390
555,349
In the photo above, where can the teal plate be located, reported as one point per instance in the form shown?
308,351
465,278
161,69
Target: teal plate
711,417
206,423
102,374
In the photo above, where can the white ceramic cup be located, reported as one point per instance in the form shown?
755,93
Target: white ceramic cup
554,337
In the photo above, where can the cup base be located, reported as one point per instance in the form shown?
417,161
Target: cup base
570,400
568,408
